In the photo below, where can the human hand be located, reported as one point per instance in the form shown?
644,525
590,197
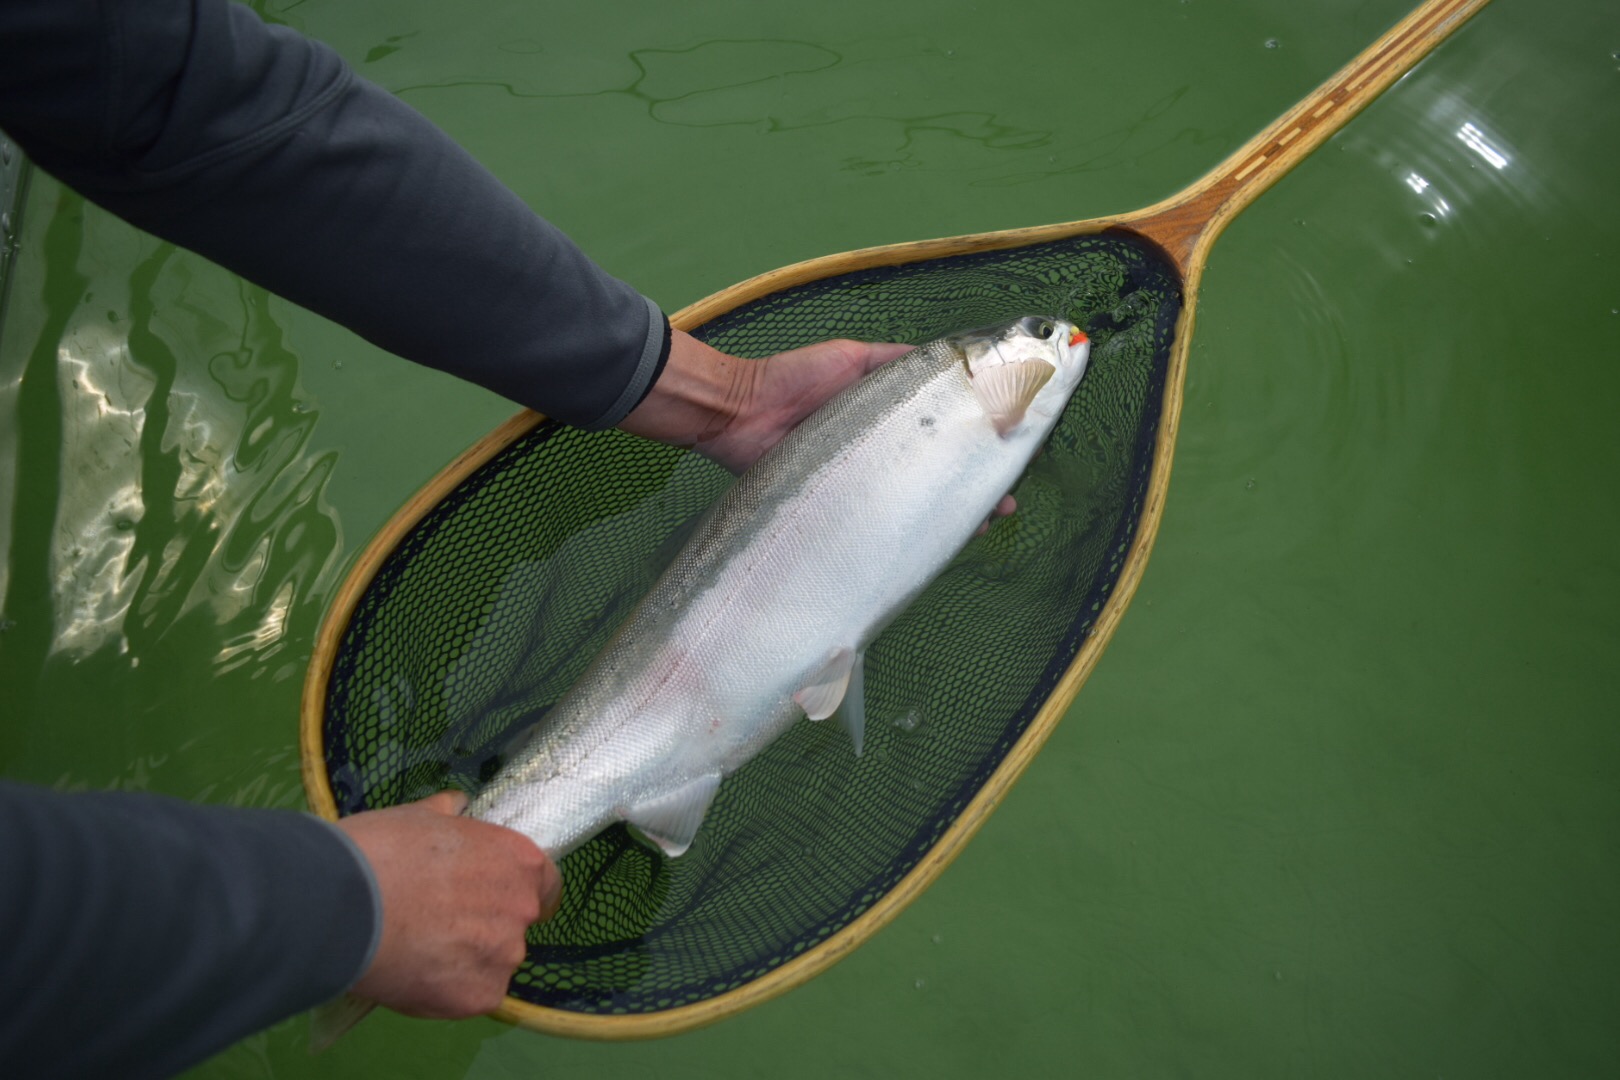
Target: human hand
458,895
781,390
732,410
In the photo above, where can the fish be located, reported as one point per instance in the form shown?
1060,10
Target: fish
765,613
764,616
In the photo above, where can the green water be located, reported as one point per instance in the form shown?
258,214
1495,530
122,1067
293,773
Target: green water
1343,796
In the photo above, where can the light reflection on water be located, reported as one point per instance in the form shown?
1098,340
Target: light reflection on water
167,540
218,513
104,401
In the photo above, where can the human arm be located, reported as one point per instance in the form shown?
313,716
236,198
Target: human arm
261,150
143,934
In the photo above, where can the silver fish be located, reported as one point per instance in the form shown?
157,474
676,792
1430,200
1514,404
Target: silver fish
765,614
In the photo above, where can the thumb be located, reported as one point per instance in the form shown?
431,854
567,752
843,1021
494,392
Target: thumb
879,353
449,803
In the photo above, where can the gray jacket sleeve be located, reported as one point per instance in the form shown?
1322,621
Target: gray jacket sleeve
143,934
260,149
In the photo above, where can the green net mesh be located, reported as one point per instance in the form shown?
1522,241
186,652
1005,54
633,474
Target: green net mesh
497,599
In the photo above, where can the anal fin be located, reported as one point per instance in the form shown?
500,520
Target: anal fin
331,1021
671,821
852,710
839,687
819,698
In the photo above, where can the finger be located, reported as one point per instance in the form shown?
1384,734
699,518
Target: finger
550,891
449,802
1006,506
879,353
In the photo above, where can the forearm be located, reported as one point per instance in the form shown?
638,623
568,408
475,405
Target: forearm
259,148
144,934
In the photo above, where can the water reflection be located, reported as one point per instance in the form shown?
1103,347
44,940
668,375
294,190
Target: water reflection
185,489
1476,141
103,408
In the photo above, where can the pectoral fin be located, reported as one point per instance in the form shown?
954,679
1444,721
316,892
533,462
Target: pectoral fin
1005,390
671,821
329,1022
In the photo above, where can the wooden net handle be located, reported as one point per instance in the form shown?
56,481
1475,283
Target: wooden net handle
1200,211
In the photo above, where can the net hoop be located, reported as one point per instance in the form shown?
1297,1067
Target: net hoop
1184,227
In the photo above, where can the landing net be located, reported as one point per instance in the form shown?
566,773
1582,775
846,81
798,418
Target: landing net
494,603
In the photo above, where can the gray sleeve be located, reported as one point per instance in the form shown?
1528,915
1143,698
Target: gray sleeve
261,150
145,934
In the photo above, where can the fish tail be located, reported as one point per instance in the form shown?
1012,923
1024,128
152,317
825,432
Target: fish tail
330,1022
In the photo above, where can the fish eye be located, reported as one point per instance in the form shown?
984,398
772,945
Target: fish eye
1044,330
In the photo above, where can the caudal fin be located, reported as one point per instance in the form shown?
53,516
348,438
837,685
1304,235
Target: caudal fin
330,1022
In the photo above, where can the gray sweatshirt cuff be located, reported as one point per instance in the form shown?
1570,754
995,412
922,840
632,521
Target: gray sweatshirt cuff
370,877
654,353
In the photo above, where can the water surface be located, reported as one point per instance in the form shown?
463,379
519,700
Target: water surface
1340,799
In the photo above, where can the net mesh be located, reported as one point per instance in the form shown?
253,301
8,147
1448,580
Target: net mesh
497,599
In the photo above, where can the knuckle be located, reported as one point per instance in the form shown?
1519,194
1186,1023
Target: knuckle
472,1001
490,993
533,858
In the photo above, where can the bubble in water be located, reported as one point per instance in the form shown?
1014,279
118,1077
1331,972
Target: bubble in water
1248,485
337,365
911,720
1427,220
7,624
938,939
920,983
1273,43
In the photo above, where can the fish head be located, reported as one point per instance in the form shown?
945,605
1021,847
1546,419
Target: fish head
1033,363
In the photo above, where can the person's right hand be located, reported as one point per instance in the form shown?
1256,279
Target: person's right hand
457,896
